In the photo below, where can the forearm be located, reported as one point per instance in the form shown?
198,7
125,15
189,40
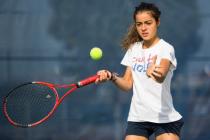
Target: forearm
123,83
159,72
157,76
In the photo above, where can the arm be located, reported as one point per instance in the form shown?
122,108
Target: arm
125,83
159,72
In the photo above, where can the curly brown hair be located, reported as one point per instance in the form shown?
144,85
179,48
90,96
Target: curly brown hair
132,35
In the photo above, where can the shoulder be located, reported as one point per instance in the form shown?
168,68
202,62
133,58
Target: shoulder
135,46
166,45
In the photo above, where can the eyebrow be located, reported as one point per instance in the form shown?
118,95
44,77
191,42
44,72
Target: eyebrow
144,21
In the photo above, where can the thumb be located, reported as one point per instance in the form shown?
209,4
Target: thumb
154,58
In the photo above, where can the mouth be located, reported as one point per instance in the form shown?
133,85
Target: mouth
145,34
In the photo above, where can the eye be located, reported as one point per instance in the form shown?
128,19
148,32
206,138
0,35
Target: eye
138,24
148,22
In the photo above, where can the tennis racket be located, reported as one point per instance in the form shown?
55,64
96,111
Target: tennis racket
32,103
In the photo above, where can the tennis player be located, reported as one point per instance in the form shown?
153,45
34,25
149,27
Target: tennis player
150,62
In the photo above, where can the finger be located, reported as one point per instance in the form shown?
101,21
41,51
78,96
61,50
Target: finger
160,67
100,72
157,69
109,75
156,74
152,76
100,78
97,81
104,76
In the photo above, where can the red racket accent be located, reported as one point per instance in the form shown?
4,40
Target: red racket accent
37,93
87,81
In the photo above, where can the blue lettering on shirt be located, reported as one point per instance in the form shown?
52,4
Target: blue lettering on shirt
141,64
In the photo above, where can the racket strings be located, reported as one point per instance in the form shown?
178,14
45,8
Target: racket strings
30,103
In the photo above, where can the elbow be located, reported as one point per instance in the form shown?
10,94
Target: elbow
160,79
128,87
125,86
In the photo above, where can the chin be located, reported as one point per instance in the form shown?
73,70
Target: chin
146,38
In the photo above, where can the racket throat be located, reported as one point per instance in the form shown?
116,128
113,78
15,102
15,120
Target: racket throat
79,85
87,81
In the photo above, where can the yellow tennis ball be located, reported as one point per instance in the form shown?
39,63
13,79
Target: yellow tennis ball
96,53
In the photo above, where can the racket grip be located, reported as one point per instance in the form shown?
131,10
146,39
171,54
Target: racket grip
87,81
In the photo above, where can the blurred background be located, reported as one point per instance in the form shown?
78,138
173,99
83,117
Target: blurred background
50,40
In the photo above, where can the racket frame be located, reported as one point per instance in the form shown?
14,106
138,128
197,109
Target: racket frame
58,99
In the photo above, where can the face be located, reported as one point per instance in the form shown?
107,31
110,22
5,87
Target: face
146,25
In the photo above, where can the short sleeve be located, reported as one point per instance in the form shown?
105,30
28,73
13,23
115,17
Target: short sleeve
169,53
127,61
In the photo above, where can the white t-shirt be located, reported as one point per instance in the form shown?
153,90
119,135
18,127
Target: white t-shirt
151,101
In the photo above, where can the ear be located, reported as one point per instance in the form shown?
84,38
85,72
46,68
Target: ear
158,22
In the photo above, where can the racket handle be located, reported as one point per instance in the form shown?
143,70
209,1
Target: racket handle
87,81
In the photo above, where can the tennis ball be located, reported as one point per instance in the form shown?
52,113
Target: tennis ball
96,53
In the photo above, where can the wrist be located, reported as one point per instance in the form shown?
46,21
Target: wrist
147,74
113,76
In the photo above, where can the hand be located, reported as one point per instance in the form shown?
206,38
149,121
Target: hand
151,67
158,72
104,75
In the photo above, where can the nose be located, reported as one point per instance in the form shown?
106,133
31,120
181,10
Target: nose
143,27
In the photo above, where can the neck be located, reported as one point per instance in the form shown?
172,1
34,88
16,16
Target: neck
150,43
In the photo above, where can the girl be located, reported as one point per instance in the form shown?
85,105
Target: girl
150,62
